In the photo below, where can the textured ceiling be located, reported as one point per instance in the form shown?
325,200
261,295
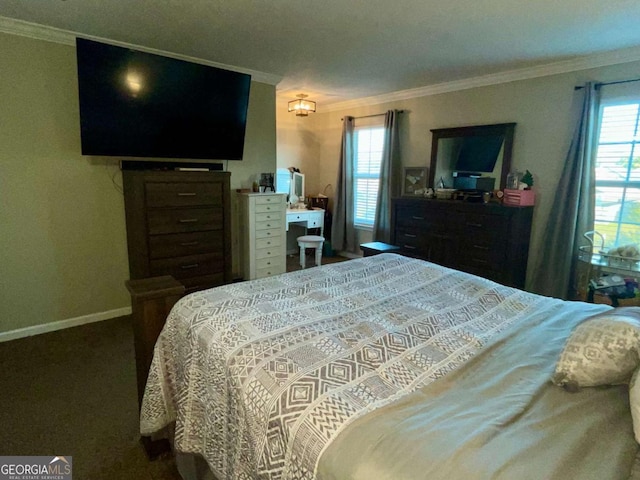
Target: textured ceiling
340,50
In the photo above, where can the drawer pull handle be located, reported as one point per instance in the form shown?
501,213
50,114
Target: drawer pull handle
478,225
268,263
268,233
477,260
268,224
410,247
188,220
481,247
417,218
186,267
187,194
410,235
189,244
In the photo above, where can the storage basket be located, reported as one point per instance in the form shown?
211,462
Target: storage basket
519,198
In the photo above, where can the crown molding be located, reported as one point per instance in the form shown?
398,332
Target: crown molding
51,34
580,63
66,37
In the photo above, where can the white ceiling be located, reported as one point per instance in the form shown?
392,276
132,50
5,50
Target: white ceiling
337,50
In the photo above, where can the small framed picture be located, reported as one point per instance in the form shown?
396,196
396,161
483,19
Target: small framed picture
266,181
414,181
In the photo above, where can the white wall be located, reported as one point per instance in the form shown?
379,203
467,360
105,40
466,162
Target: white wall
543,109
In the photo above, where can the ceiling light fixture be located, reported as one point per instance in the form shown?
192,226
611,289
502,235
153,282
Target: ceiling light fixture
301,106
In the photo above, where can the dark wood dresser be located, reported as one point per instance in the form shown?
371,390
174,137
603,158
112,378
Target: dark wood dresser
178,224
489,240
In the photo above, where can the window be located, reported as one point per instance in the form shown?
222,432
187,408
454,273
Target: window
617,213
368,143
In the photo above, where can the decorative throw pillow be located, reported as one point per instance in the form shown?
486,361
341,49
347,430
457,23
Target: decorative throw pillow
602,350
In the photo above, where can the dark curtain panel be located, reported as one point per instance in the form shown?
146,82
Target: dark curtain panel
389,178
343,233
572,212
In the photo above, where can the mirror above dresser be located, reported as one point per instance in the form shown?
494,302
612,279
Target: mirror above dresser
471,158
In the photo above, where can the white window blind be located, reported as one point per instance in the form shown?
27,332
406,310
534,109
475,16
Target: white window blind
617,213
366,178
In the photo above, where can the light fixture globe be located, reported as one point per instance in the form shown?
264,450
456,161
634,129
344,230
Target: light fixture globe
301,106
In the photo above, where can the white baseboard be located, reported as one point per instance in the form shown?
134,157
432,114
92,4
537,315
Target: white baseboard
62,324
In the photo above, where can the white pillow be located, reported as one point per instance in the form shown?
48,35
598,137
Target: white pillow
602,350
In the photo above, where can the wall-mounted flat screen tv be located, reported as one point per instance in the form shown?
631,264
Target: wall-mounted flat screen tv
137,104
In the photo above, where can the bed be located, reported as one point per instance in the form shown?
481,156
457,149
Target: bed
383,367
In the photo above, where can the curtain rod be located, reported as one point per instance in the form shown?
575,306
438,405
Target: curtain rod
598,85
374,115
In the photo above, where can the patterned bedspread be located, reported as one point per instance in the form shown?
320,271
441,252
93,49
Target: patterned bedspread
260,376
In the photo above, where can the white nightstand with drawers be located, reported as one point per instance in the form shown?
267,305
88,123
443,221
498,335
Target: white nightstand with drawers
264,235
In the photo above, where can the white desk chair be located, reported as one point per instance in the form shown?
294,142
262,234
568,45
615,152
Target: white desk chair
310,241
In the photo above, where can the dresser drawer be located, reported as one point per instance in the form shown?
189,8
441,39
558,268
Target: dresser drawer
182,244
269,199
190,266
161,194
269,207
201,282
483,270
269,233
483,240
420,218
270,262
411,238
269,224
269,242
269,252
496,225
483,255
266,216
314,220
269,271
176,220
297,217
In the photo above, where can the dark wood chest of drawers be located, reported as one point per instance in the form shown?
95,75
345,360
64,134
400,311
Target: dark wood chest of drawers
178,224
489,240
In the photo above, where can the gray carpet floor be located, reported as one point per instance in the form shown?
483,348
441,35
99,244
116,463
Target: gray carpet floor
73,392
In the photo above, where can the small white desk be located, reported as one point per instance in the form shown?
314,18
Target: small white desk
306,218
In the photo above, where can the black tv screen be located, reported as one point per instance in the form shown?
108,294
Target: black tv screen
479,153
137,104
